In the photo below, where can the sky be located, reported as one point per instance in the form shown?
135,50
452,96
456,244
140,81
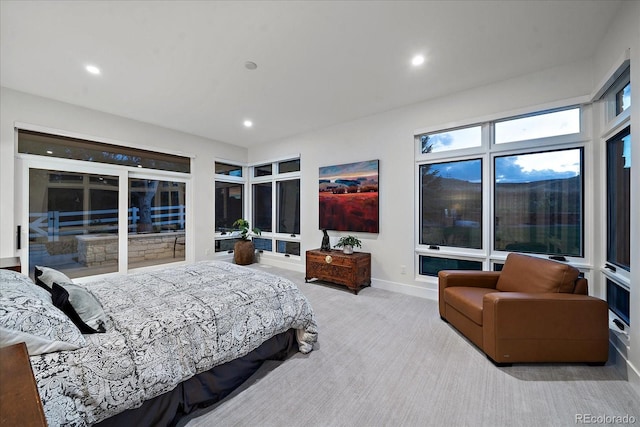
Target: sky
518,168
367,169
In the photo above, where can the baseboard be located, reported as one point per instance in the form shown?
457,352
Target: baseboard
618,354
403,288
281,262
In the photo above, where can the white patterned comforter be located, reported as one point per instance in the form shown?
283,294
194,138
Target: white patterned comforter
164,327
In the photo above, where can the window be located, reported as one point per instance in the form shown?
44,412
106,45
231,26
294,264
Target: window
618,299
230,184
227,169
41,144
451,200
78,223
623,99
262,170
229,205
73,222
289,206
538,126
430,266
451,140
619,200
262,206
289,166
517,186
616,149
275,206
617,98
157,216
538,203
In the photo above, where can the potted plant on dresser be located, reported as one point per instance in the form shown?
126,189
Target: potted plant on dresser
244,250
347,243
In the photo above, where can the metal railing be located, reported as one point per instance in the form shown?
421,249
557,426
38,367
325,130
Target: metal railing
54,224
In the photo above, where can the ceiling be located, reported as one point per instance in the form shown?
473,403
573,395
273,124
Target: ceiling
181,64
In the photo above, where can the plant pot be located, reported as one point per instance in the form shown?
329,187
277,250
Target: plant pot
347,249
243,252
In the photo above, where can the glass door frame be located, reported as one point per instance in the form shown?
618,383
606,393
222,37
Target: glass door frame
25,162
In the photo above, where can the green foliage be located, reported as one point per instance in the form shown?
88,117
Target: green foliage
352,241
243,225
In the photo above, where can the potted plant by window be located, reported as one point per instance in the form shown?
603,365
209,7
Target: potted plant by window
347,243
244,250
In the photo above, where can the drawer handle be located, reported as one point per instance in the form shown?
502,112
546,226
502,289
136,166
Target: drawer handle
328,259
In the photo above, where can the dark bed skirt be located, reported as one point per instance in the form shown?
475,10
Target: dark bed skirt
206,388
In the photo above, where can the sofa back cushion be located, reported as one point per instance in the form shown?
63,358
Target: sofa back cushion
522,273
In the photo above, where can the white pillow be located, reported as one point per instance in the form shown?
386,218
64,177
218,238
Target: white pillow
82,307
28,315
46,276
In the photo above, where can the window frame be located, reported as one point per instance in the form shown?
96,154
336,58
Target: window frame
26,162
612,125
274,178
230,179
487,151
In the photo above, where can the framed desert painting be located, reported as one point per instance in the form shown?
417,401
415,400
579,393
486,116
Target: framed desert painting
349,197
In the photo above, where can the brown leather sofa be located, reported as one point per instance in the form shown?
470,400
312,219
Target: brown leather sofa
534,310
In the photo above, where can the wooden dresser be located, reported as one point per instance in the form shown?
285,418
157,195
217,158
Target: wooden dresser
20,403
334,266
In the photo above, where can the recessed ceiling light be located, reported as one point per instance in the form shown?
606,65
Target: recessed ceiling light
248,123
249,65
49,152
92,69
417,60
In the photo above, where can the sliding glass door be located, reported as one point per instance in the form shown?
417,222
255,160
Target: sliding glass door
73,221
85,219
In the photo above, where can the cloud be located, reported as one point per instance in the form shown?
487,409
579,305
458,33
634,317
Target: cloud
538,166
520,168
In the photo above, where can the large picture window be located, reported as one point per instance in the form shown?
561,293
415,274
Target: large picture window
538,203
451,201
515,184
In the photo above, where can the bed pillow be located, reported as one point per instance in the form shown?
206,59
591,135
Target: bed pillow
28,315
46,276
84,309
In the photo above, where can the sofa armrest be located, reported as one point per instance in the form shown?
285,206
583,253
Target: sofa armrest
514,322
480,279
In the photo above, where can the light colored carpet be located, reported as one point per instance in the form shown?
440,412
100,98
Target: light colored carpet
386,359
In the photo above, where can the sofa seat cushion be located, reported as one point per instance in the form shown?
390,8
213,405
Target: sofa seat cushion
523,273
467,300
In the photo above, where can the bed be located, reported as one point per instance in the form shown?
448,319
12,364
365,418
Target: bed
175,339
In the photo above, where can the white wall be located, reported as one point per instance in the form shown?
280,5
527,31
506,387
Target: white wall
24,108
390,138
624,33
